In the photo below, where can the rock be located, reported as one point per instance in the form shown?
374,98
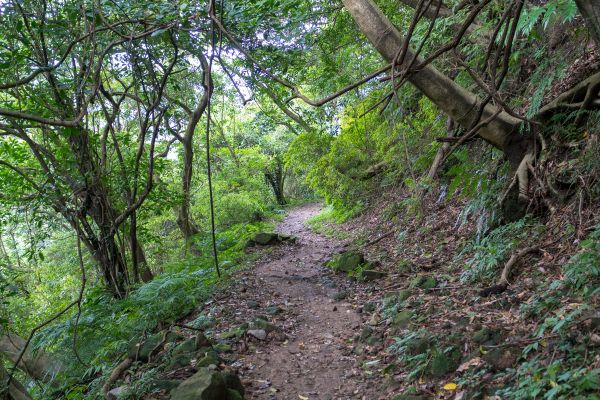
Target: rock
370,307
165,384
502,358
237,331
341,295
423,282
402,319
252,304
234,395
418,345
210,357
273,310
487,336
206,384
232,381
346,262
260,323
116,392
141,351
404,266
259,334
404,294
368,275
202,341
366,332
222,347
265,238
372,340
443,363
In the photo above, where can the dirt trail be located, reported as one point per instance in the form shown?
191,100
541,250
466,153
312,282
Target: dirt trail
314,358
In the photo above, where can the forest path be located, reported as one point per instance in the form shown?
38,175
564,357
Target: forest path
314,358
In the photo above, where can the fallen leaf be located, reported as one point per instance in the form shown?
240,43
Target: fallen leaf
450,386
302,397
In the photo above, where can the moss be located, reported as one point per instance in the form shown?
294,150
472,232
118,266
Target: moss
443,363
346,262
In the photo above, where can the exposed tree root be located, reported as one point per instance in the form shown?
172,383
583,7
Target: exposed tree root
512,261
122,367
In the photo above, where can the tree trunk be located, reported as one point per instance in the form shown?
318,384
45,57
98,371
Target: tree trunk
138,257
276,180
184,220
590,10
95,202
37,365
459,103
14,391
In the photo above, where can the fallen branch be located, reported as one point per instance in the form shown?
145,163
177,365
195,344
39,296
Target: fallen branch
372,242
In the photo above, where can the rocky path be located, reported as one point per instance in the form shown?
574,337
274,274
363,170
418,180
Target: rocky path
310,356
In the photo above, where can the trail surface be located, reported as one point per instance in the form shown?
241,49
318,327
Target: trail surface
312,355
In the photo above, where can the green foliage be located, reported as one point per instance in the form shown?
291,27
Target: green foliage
325,222
582,272
488,255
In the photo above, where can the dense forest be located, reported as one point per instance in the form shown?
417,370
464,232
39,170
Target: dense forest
149,150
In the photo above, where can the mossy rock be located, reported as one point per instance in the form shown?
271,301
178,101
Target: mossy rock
268,238
165,384
141,350
369,275
404,294
409,397
366,333
417,345
372,340
260,323
346,262
236,332
370,307
443,363
273,310
234,395
210,358
265,238
232,381
423,282
404,266
206,384
222,347
341,295
487,336
502,358
402,319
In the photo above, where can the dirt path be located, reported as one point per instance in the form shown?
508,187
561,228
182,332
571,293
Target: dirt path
314,357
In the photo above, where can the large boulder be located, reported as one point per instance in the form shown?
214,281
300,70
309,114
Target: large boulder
206,384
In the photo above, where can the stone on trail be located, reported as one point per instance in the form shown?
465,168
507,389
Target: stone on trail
268,238
259,334
346,262
206,384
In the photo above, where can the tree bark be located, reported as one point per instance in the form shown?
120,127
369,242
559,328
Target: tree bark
14,391
184,220
37,365
457,102
590,10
